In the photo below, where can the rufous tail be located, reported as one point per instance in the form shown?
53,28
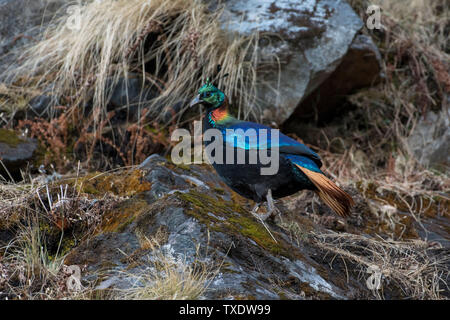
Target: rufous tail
336,198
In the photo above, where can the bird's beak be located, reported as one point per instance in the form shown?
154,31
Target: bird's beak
195,101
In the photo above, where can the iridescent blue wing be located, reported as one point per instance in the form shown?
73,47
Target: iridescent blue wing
305,162
251,135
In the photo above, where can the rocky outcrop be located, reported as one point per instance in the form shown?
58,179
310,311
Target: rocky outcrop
177,232
311,39
184,218
197,219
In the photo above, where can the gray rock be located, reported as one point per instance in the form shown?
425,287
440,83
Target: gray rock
15,152
430,141
198,224
20,23
39,106
361,67
129,92
311,39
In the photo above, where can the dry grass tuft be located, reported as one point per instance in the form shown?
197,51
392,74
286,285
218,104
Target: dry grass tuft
46,219
173,45
168,278
409,267
31,271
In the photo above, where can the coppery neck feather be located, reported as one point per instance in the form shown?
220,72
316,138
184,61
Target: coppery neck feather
219,116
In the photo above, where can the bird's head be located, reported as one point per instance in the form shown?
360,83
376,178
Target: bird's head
209,95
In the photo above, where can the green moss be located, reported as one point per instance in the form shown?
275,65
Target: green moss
48,229
67,244
127,222
89,188
248,297
235,219
204,204
52,236
184,167
126,183
255,230
281,295
122,216
219,190
9,137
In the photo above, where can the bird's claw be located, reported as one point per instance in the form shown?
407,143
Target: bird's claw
262,217
258,216
269,214
272,211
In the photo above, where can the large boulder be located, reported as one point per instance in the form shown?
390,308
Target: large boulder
311,39
179,230
188,217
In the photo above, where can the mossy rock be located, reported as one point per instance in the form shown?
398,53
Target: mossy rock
231,217
15,152
125,184
119,218
10,138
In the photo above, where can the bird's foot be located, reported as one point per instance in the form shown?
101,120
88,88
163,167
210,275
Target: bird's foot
255,213
272,209
274,213
264,216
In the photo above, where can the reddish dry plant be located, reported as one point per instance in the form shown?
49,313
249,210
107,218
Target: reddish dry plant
70,131
144,142
52,134
442,73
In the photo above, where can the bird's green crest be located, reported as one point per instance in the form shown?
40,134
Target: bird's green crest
211,95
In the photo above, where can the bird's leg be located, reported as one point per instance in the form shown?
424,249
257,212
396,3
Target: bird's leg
270,207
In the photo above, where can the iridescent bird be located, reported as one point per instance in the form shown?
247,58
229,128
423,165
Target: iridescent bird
299,166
